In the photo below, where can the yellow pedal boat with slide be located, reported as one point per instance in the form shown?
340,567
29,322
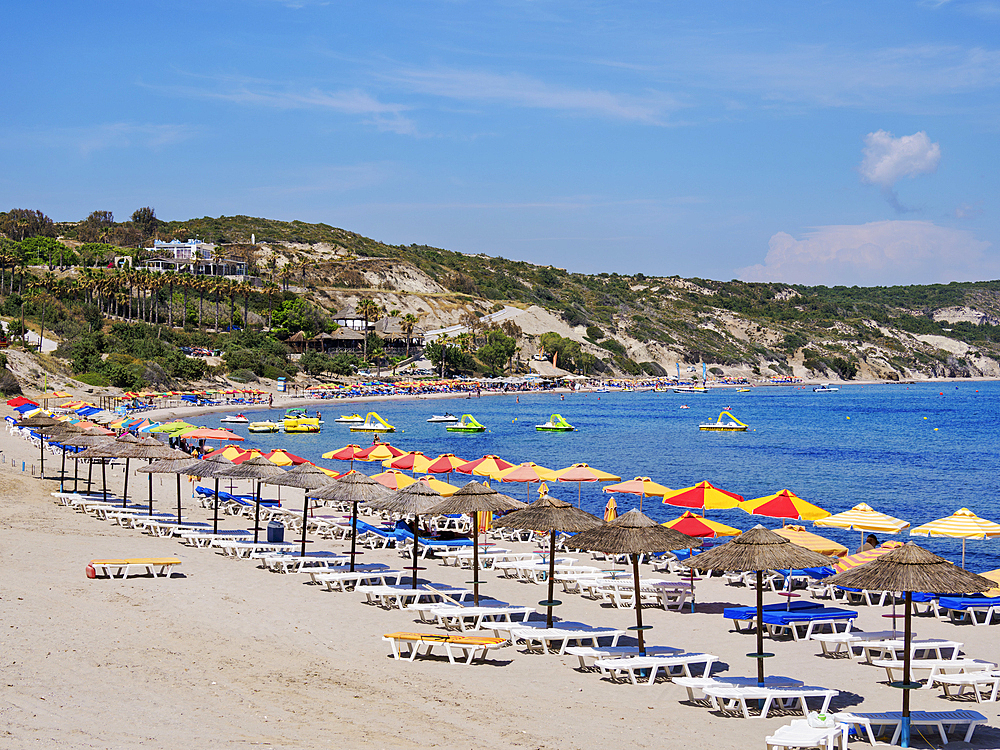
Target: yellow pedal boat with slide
733,425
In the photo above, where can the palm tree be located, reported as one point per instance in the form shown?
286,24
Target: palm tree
407,324
369,309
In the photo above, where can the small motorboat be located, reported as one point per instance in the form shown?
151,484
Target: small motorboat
445,418
825,388
467,423
556,423
373,423
733,425
264,426
235,419
690,389
684,406
743,390
350,419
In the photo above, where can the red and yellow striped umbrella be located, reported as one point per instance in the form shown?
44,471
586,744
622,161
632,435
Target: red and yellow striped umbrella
379,452
853,561
445,464
488,466
442,488
394,479
784,505
704,496
610,510
694,525
414,461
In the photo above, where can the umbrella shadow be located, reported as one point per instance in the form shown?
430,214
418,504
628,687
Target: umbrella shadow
714,608
846,700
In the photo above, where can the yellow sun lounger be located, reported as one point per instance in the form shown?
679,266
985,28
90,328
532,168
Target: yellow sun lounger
151,566
468,645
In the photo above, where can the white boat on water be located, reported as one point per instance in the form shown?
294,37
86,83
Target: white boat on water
350,419
690,389
446,418
235,419
825,388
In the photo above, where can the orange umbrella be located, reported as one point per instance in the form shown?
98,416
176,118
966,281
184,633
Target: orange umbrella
394,479
445,464
527,472
581,473
703,495
207,433
610,510
642,486
487,466
784,505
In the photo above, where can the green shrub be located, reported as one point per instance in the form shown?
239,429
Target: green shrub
244,376
93,378
594,333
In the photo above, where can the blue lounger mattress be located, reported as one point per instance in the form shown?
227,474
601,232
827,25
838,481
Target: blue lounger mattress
782,617
964,602
748,613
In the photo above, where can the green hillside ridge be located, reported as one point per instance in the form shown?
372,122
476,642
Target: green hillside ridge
605,323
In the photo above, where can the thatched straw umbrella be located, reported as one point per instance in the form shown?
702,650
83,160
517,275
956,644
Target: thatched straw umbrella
59,432
758,549
151,449
175,465
110,448
413,500
911,568
256,468
86,439
635,534
34,423
308,477
352,487
475,498
210,467
550,514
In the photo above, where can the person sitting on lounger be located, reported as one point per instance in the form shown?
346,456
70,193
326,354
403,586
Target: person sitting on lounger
871,542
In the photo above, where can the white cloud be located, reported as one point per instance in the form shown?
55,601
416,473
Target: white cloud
518,90
87,139
882,253
887,160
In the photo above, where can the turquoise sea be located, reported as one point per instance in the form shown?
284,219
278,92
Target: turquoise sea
918,452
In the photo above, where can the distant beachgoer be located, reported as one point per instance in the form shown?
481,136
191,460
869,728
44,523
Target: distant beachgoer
562,397
375,440
871,542
318,414
270,399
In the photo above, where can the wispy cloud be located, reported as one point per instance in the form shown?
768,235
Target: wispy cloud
86,139
386,116
519,90
888,159
878,253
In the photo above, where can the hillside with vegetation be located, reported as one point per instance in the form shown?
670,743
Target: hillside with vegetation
130,328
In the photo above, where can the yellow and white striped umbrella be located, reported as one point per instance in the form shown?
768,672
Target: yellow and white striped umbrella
962,524
864,518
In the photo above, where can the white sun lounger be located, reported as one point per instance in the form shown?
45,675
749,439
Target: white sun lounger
476,618
799,734
630,665
691,684
941,720
729,697
399,596
468,646
933,667
985,684
892,648
852,639
344,580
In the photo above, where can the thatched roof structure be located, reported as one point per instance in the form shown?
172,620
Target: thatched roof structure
912,568
352,487
414,499
256,468
307,476
476,497
548,513
633,533
758,549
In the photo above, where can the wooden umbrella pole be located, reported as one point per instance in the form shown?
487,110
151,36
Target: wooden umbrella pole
760,628
305,520
904,737
637,602
552,573
256,516
416,533
41,454
475,557
178,499
104,479
90,474
125,488
215,516
150,485
76,473
354,532
62,471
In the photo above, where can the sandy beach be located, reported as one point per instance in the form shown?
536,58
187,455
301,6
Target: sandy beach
228,654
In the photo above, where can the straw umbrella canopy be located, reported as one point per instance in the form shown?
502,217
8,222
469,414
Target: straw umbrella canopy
758,549
962,524
58,433
169,466
414,500
864,518
256,468
446,463
475,498
527,472
785,505
352,487
42,420
86,439
581,473
642,486
443,488
210,467
703,496
308,477
151,449
911,568
635,534
550,514
110,448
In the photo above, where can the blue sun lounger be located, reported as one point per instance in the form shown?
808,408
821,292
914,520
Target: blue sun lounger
779,621
425,545
749,614
966,608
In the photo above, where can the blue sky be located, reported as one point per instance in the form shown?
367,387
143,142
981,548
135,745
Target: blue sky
812,142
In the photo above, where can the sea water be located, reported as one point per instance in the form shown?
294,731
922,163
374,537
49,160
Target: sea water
918,452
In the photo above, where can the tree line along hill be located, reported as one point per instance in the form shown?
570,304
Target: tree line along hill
602,324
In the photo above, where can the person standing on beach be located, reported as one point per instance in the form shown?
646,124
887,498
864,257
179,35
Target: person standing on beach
270,399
